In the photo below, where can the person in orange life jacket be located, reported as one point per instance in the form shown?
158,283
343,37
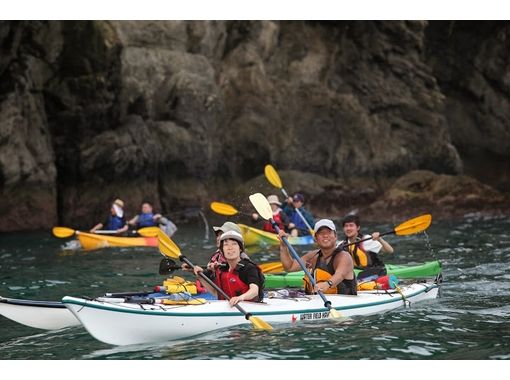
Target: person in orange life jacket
115,221
364,254
296,225
146,218
240,279
328,257
278,215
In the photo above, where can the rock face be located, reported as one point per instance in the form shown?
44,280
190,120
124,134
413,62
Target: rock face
183,112
444,196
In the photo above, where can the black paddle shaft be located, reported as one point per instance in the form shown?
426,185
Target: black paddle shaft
184,259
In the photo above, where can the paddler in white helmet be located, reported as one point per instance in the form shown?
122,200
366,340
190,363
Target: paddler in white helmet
240,278
217,258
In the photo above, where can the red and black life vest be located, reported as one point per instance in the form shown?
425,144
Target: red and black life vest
230,281
277,217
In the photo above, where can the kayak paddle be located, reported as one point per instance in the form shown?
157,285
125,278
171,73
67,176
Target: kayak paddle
263,207
274,179
65,232
409,227
226,209
168,248
274,267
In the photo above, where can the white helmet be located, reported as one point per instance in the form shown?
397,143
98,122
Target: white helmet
234,236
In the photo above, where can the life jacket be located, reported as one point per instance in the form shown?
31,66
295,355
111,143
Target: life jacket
231,283
323,271
114,223
218,257
362,258
277,217
145,220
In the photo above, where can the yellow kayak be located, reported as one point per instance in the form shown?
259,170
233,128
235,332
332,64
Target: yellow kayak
254,236
90,241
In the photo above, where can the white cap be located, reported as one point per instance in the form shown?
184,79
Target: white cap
118,210
273,199
227,226
324,223
232,235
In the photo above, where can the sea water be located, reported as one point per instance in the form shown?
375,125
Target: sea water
471,319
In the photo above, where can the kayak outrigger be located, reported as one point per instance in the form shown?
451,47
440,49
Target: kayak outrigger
128,323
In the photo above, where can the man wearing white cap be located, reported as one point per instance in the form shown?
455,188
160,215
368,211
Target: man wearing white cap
332,268
115,221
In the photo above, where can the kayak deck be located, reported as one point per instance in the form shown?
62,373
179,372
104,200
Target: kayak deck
254,236
295,279
123,323
46,315
90,241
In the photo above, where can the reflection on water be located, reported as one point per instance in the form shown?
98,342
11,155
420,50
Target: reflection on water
470,321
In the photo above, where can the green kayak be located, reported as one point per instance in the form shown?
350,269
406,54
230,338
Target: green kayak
295,279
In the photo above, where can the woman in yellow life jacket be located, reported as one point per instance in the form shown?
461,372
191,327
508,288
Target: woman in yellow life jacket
364,254
332,267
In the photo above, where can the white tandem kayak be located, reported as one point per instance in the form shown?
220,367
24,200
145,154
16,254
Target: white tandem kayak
47,315
128,323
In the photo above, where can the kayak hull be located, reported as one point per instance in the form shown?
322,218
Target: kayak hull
46,315
90,241
295,279
125,323
254,236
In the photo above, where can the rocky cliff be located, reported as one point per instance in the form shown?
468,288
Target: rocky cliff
184,112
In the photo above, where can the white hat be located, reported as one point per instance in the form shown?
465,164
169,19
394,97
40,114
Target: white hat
273,199
118,210
324,223
228,226
234,236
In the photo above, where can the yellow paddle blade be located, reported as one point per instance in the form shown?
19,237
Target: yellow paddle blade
167,247
259,201
149,231
269,268
415,225
260,324
63,232
272,176
223,208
